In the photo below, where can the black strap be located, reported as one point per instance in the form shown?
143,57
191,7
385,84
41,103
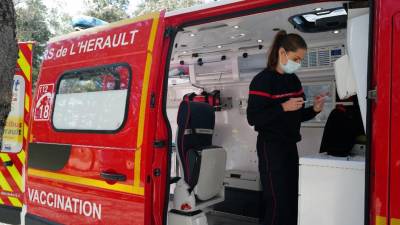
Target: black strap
198,131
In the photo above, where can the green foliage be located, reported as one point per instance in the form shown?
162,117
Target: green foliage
32,26
36,22
107,10
157,5
59,22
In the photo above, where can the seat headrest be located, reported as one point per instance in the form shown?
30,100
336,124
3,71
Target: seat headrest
196,115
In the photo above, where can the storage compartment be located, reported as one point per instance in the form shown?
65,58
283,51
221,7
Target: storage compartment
243,194
331,190
241,202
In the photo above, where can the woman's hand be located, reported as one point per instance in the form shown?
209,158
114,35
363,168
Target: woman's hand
319,102
293,104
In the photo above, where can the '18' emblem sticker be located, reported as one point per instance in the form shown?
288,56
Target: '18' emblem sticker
43,102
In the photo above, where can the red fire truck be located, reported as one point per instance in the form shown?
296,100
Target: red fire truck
109,141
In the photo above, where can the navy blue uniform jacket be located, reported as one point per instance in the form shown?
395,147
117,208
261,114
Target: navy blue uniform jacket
268,90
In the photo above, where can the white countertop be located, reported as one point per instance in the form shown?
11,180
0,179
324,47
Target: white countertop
324,160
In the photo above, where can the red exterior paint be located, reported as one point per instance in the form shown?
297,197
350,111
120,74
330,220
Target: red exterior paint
382,147
161,155
52,69
150,161
92,153
395,140
124,208
380,118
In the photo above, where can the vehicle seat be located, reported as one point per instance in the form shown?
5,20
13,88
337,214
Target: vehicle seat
203,165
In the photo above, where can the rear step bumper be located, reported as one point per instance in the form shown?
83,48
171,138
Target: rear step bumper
10,214
36,220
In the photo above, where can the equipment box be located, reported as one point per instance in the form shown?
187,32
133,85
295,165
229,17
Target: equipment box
243,194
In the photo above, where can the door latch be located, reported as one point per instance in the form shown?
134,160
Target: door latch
159,143
372,95
152,100
8,163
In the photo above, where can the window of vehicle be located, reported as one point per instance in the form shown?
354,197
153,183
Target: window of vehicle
93,99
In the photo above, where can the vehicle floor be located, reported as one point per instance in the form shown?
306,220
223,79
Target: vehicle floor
221,219
227,219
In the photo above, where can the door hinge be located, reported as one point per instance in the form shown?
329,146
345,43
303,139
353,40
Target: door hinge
159,143
372,94
152,100
148,179
169,31
8,163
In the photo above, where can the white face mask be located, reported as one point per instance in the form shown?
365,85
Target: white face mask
291,66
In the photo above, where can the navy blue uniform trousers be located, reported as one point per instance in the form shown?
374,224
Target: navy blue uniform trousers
279,174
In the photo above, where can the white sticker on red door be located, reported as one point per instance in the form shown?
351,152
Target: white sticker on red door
43,102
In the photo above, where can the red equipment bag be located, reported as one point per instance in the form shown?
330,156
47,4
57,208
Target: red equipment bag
213,98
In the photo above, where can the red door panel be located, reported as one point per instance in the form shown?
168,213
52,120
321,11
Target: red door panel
395,140
91,133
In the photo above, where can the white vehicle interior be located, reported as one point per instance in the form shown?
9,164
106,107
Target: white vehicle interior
225,56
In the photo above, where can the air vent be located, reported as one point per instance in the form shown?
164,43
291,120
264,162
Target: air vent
322,57
312,57
304,63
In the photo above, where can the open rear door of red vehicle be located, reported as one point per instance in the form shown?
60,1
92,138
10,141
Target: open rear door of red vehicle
89,161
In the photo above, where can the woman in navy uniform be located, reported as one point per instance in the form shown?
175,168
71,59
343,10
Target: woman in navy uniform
276,110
